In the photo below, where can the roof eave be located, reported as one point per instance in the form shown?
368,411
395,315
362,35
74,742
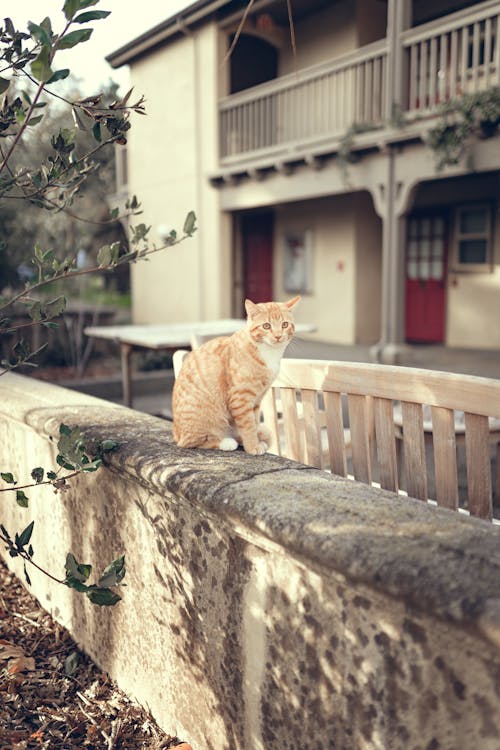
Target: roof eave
164,31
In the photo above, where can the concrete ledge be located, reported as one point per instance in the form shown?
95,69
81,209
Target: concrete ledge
269,605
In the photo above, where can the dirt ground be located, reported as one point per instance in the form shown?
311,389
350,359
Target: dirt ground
52,695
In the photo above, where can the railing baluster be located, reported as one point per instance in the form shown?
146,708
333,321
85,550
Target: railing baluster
453,63
487,52
413,76
423,75
291,424
497,52
433,71
369,92
475,56
443,68
465,55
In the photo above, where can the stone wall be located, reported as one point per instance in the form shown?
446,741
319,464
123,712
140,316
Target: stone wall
269,606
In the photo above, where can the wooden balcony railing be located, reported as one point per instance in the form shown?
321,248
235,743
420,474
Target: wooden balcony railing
322,101
454,56
443,59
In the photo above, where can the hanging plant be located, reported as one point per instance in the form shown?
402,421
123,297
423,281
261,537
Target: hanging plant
472,116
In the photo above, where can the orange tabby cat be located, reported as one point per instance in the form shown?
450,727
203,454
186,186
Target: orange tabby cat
217,393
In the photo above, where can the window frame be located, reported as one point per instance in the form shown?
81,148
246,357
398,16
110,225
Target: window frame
458,236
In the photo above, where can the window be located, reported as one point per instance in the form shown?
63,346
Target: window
473,237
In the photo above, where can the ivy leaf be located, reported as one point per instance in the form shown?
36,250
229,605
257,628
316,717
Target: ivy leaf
114,573
102,596
21,499
8,477
74,38
76,570
40,67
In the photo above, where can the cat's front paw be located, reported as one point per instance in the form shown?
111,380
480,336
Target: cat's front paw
256,449
264,434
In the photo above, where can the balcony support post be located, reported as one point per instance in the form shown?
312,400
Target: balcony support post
390,203
399,16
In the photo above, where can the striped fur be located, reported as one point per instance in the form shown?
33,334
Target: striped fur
217,393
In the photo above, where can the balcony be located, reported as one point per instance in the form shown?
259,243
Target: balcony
441,60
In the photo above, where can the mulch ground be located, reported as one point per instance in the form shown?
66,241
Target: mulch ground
52,695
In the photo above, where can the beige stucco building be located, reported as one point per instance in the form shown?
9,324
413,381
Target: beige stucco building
308,165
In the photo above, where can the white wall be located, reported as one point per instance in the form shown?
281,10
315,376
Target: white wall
171,151
331,304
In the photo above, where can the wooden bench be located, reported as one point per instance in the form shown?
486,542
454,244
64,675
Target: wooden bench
375,418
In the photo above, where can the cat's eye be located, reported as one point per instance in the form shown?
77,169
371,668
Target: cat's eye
284,324
267,326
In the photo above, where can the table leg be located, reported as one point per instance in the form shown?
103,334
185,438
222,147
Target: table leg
126,352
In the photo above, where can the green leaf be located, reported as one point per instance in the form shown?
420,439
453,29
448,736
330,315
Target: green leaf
91,15
59,75
21,499
54,308
34,120
70,8
71,663
103,597
26,576
40,67
104,256
96,130
25,535
48,324
8,477
62,461
4,85
108,445
114,573
35,311
74,583
64,429
39,34
38,474
74,38
190,223
74,569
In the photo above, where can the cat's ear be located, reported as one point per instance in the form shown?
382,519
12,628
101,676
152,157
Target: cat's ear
292,302
250,307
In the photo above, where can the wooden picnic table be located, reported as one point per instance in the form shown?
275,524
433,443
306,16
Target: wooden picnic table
169,336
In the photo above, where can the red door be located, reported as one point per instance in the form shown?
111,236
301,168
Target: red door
425,279
258,257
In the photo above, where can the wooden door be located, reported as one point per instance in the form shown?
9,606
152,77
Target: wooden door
426,255
257,236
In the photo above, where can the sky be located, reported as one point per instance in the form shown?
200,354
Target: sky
128,20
